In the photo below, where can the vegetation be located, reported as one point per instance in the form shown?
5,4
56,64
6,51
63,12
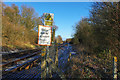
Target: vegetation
59,39
19,26
101,31
85,66
99,37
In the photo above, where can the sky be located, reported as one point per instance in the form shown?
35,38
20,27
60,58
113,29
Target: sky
66,14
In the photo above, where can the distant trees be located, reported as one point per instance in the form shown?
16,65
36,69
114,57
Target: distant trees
59,39
69,40
102,30
19,27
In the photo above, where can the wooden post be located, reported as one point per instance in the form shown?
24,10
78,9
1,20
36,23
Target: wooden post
69,56
1,37
43,62
47,58
56,56
55,49
53,36
47,69
114,68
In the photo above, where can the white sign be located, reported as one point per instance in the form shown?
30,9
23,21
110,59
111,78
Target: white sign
44,35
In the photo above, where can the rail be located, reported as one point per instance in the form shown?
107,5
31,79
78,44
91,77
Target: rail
20,63
19,59
48,66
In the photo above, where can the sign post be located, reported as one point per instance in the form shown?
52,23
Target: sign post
45,34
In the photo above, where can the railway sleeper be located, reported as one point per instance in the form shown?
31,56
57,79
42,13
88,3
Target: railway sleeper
23,65
19,59
28,65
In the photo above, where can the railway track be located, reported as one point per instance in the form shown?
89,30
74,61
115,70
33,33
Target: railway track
24,61
23,66
17,54
36,72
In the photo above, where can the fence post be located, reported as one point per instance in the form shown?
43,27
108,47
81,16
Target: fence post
114,68
69,56
56,56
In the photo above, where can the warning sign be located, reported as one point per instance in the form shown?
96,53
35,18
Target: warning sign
48,19
44,35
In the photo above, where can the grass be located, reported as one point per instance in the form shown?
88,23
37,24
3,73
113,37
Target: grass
18,46
91,66
88,67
